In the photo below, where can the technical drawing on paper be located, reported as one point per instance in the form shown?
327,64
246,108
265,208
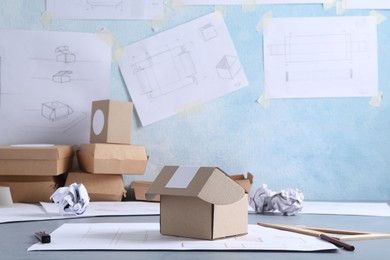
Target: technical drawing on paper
64,55
109,3
228,67
165,72
63,76
305,49
56,110
208,32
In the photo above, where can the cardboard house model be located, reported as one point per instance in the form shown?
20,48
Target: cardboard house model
200,202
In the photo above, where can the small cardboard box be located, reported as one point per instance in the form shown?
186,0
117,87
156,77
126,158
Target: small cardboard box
111,122
100,187
35,160
201,203
32,189
246,183
140,188
112,158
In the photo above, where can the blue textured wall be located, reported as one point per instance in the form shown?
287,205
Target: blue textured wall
331,149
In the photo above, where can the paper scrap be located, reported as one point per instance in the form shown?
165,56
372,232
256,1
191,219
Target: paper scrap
72,200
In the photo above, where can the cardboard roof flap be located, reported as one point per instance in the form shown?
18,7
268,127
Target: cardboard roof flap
54,152
210,184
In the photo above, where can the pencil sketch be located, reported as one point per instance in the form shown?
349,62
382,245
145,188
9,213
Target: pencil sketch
208,32
104,3
228,67
165,72
316,49
56,110
62,76
64,55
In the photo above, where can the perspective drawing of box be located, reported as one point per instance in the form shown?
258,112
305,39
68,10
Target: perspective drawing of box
49,160
100,187
111,122
55,110
32,189
200,202
228,67
112,158
140,188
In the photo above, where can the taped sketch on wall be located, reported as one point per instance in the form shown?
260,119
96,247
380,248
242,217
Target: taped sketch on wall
320,57
151,72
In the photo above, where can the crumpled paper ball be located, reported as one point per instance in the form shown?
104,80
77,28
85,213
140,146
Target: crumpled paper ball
73,199
288,202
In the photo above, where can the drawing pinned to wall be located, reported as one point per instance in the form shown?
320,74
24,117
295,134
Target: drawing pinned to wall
320,57
56,110
151,72
64,55
163,76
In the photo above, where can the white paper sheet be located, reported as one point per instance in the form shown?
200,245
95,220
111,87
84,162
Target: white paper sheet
173,70
367,4
146,236
312,57
243,2
32,212
345,208
104,9
48,83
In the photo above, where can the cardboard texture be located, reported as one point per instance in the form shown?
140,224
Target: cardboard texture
246,183
32,189
35,160
111,122
140,188
100,187
112,158
211,206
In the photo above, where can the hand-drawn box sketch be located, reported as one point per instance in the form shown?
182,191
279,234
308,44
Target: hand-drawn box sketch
62,76
64,55
114,3
56,110
208,32
152,72
228,67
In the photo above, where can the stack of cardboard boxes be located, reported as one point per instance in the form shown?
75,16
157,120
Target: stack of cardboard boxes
109,154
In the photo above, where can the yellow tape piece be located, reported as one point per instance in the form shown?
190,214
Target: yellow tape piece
328,4
117,54
189,109
377,100
220,9
46,19
177,6
105,35
264,101
341,7
379,18
159,21
248,6
264,21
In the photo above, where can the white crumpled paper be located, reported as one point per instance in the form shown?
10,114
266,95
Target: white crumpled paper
73,199
289,201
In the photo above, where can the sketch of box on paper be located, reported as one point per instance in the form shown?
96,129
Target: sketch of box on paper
64,55
56,110
228,67
62,76
165,72
208,32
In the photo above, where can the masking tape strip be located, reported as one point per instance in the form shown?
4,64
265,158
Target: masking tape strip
376,101
328,4
191,108
264,101
379,18
46,19
177,6
106,36
248,6
341,7
220,9
117,54
5,197
159,20
264,21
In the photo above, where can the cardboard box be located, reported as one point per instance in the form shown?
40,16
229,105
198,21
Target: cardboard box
111,122
140,188
112,158
201,203
246,183
100,187
32,189
35,160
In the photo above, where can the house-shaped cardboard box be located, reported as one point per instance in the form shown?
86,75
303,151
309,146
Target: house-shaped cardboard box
200,202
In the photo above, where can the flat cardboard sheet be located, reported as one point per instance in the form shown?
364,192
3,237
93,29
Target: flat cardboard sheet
146,236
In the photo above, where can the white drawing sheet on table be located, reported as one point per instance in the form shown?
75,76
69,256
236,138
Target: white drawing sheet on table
367,4
48,83
105,9
173,70
313,57
243,2
146,236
